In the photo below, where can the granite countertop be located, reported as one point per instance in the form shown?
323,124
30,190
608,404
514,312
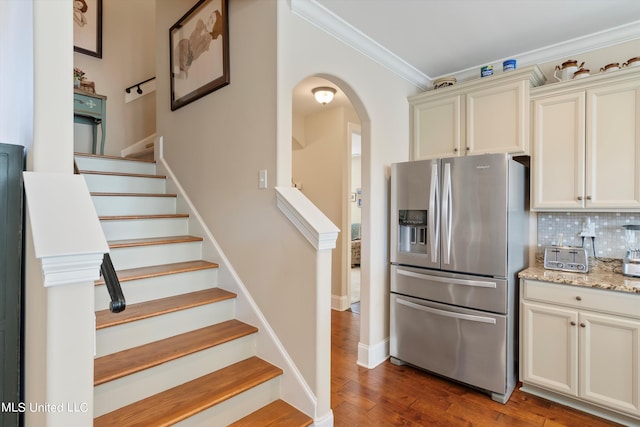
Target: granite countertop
604,273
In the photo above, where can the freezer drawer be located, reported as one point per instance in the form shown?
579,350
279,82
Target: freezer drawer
481,293
466,345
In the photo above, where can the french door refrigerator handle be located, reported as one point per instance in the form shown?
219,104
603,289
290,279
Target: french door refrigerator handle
434,218
448,280
446,213
445,313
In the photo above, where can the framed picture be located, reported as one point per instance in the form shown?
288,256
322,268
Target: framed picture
199,52
87,27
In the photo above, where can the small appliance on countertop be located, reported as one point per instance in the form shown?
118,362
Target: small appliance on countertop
566,258
631,261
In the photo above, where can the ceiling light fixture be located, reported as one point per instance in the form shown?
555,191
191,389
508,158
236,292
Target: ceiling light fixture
324,94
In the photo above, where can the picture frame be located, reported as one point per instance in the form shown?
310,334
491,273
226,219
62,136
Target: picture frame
199,52
87,27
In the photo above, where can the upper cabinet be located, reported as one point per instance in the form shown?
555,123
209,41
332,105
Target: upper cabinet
487,115
586,144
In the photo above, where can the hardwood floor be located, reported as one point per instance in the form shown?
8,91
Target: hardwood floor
390,395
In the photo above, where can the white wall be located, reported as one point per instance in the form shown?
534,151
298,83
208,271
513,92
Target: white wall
216,147
16,73
128,57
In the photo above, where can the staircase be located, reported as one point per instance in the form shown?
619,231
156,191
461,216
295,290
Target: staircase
176,354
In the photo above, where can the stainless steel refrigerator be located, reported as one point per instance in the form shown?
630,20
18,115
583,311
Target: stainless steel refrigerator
459,235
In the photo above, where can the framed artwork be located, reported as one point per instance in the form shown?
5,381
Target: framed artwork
87,27
199,52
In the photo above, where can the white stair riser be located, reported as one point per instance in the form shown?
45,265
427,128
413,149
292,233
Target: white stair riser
136,291
124,184
133,334
144,256
114,165
123,391
144,228
133,205
237,407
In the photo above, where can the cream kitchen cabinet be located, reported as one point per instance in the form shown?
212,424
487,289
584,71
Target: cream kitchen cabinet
488,115
582,343
586,144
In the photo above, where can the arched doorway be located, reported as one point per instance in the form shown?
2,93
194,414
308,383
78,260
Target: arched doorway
326,165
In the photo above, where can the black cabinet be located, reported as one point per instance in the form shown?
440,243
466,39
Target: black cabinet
12,160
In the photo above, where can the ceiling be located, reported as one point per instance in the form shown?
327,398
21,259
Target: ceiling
443,37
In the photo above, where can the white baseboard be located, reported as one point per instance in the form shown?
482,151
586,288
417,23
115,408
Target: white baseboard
326,421
340,303
370,356
138,146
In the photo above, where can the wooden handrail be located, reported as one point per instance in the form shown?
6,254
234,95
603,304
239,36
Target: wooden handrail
118,302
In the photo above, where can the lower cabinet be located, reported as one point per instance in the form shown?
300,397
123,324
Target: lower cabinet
578,346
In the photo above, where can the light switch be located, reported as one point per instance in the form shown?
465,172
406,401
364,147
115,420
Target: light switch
262,182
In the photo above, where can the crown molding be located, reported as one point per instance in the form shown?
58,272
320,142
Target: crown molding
321,17
558,51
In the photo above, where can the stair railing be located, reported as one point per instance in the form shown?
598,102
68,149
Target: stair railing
110,277
108,272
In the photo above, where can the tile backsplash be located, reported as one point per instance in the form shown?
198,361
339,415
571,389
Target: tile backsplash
609,241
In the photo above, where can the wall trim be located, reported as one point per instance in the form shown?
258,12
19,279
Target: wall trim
307,218
370,356
563,50
138,146
329,22
72,269
340,302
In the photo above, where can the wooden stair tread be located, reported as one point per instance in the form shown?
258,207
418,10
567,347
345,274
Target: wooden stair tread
99,194
125,174
103,156
277,413
161,270
178,403
129,243
156,216
147,309
127,362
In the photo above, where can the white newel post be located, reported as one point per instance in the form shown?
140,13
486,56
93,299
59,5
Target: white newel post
322,235
69,242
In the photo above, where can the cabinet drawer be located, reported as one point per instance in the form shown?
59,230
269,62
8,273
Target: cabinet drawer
87,104
620,303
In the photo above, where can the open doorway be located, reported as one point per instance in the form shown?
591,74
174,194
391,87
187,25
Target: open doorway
323,135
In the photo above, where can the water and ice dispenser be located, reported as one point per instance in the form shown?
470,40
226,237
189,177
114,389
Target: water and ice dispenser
412,231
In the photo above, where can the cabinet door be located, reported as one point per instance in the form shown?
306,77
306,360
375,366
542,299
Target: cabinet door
610,361
437,127
550,347
558,152
613,146
498,119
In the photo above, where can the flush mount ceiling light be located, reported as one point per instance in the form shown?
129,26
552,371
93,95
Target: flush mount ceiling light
324,94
